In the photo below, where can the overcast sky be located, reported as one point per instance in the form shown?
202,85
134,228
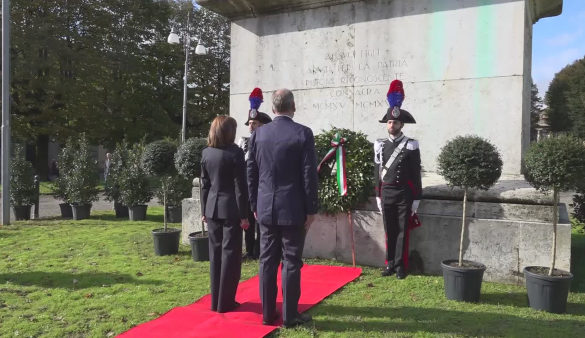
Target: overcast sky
556,42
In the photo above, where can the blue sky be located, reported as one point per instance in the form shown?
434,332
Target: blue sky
556,42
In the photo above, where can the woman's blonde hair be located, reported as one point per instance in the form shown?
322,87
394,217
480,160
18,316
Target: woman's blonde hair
222,131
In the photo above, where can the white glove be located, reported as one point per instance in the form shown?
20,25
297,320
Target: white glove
415,204
379,203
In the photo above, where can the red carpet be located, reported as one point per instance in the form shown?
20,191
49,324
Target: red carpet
197,320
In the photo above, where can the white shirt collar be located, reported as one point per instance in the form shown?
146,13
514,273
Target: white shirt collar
397,138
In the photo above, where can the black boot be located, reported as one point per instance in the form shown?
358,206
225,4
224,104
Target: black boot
388,271
400,273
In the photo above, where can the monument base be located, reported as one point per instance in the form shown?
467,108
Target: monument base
509,227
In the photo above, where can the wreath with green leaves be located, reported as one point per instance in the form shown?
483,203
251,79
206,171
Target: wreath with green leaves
359,167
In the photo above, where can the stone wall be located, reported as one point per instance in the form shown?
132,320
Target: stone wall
465,61
503,232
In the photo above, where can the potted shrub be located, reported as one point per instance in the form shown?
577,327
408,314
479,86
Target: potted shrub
177,189
22,186
81,178
158,161
118,163
558,164
134,186
468,162
188,165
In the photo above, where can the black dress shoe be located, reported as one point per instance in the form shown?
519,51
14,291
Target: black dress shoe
400,273
300,319
388,271
271,320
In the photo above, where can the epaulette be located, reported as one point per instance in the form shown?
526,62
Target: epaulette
412,144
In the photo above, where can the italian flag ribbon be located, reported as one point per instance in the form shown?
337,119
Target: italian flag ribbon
338,150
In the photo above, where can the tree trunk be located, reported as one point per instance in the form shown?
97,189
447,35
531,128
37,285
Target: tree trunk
462,227
554,239
164,204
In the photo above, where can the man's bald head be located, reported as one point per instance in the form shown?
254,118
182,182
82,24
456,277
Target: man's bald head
283,102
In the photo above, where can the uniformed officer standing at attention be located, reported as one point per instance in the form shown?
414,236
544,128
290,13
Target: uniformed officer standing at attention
255,120
398,180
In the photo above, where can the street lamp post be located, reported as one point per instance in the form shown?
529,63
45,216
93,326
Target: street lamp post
5,112
199,50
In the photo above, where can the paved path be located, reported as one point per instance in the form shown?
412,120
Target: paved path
49,206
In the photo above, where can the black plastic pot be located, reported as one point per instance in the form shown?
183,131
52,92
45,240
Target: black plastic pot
547,293
66,211
80,211
462,283
120,210
199,246
174,213
166,242
137,212
21,212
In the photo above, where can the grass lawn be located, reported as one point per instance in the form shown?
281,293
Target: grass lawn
100,277
46,187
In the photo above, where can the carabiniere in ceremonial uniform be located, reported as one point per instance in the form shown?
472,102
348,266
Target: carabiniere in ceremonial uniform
255,120
398,180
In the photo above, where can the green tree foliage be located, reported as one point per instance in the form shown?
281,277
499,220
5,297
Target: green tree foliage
359,166
470,162
188,157
118,164
159,157
558,164
565,99
79,171
177,189
536,107
133,182
104,67
555,163
22,188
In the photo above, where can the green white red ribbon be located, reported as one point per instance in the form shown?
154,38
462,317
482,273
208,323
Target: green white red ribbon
338,150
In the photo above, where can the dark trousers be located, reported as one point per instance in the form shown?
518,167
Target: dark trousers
225,262
252,237
396,211
276,242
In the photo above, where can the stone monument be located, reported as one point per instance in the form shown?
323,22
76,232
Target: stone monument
466,68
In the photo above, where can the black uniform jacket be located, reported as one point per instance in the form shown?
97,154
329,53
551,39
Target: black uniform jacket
404,172
282,172
224,194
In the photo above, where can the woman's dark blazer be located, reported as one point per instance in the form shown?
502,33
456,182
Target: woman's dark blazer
224,193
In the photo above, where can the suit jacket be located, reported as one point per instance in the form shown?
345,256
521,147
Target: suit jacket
403,173
282,172
223,183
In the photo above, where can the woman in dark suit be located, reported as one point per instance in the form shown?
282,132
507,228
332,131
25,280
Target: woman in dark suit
224,207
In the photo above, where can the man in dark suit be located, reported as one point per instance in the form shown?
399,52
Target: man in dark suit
282,182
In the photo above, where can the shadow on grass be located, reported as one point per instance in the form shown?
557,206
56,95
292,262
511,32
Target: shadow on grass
71,280
578,262
411,320
518,299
